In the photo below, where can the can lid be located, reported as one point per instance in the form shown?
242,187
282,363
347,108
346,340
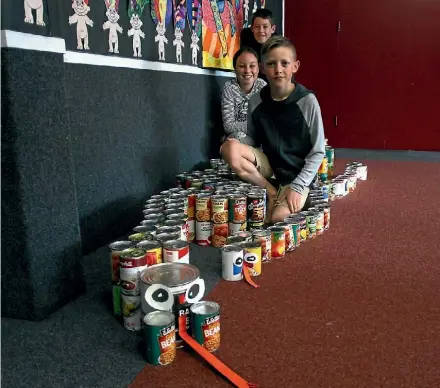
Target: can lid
251,244
132,252
170,274
162,237
175,244
159,318
205,307
276,228
261,232
121,245
235,239
147,244
167,229
232,248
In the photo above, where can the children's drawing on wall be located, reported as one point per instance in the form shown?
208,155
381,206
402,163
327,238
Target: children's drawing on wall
255,7
112,25
37,5
246,13
135,9
161,13
221,26
194,13
179,27
81,8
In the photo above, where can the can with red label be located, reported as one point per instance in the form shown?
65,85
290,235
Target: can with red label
182,225
219,235
132,262
264,238
203,219
278,241
237,213
289,238
160,337
115,251
176,251
153,249
255,210
205,322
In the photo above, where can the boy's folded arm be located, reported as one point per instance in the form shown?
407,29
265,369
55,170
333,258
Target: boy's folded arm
312,114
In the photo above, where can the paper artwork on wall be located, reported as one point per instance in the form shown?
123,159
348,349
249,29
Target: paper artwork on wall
194,14
81,9
221,27
161,13
135,10
112,25
246,12
179,27
37,5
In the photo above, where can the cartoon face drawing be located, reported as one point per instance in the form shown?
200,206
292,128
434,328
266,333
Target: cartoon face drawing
80,7
161,297
112,15
136,22
237,266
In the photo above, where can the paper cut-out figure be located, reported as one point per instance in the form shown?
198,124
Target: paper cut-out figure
161,39
246,12
112,25
81,19
194,46
178,42
255,7
137,34
37,5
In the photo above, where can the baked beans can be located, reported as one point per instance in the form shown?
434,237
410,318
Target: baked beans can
289,238
311,224
205,322
235,240
132,262
264,238
232,263
278,241
153,251
163,237
131,311
176,251
252,257
203,220
255,210
219,235
237,213
160,337
115,251
296,229
219,209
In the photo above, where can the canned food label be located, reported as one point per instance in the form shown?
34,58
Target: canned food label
167,345
117,311
203,210
255,214
176,255
183,310
203,233
191,205
211,333
235,228
237,211
130,280
252,260
219,235
191,229
133,322
278,241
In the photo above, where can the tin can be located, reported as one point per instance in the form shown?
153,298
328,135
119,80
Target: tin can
319,220
191,229
176,251
246,234
160,196
170,229
205,322
132,262
303,226
323,170
219,235
173,210
163,237
160,337
115,251
330,153
136,237
237,213
252,257
191,204
116,293
172,287
149,209
203,233
255,210
153,251
235,240
156,218
131,311
289,238
232,263
296,229
219,209
326,210
264,238
182,225
176,204
278,241
311,224
151,226
180,180
197,183
203,219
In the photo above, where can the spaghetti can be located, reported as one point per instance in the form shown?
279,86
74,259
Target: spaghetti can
176,251
132,262
264,238
205,322
255,210
163,237
115,251
219,209
182,225
131,311
219,235
289,238
153,249
252,257
238,211
278,241
296,229
232,263
203,219
160,337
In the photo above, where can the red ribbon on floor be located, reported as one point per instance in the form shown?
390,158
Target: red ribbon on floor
247,275
233,377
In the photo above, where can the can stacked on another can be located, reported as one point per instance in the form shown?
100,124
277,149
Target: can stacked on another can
203,219
219,214
255,210
264,238
237,213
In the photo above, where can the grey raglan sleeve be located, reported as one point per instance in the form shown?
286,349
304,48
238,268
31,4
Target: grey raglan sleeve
312,114
230,125
254,101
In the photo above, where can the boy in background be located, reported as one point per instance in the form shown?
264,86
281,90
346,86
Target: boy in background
285,124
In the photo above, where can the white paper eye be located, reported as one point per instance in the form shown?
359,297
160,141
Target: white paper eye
159,297
250,258
238,262
195,291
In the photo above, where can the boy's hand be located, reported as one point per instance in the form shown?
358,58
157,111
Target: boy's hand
292,198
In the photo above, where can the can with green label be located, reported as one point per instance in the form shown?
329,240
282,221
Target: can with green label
311,224
330,153
205,323
116,290
294,221
160,337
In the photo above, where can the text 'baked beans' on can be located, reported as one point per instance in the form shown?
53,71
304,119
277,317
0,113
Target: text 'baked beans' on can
252,257
264,238
232,263
132,262
237,213
205,322
160,337
255,210
153,249
203,219
176,251
278,241
131,311
115,251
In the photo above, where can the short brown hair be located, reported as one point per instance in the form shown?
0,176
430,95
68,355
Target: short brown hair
275,42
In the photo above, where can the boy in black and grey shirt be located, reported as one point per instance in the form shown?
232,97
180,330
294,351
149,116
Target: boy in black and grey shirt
286,127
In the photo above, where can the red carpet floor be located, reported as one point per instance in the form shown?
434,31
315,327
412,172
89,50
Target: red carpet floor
357,307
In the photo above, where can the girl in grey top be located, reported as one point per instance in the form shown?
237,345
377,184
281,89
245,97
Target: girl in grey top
237,92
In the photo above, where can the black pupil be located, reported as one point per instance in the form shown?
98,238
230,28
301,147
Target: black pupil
238,261
194,291
160,295
251,258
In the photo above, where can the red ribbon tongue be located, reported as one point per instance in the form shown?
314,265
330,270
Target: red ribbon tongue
247,275
233,377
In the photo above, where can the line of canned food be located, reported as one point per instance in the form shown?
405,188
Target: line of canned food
151,271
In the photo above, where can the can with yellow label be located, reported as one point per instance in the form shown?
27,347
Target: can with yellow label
252,257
